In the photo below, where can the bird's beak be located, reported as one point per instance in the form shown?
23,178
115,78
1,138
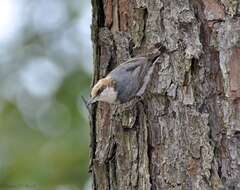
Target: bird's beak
91,100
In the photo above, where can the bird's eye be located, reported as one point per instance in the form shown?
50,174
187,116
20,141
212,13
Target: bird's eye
99,91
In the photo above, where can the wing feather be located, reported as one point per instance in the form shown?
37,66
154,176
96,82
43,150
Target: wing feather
129,77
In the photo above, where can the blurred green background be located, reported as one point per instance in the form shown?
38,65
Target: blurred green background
45,68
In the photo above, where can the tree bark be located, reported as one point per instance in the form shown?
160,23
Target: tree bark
185,134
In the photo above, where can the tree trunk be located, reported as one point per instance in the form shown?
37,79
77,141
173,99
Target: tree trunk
185,134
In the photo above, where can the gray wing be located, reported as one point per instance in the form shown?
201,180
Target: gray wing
130,77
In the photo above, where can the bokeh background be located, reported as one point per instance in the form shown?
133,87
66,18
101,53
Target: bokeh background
45,68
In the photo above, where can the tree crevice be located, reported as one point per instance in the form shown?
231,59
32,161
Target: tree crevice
185,132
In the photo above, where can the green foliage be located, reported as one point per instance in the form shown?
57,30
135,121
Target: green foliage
44,139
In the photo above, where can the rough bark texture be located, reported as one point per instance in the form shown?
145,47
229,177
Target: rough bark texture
185,134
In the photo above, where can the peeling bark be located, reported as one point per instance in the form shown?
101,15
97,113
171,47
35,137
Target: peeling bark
185,134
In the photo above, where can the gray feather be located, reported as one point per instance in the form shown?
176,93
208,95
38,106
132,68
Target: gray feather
130,77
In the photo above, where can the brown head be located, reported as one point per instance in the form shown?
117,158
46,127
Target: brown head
104,90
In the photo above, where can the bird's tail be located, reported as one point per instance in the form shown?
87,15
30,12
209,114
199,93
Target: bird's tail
155,52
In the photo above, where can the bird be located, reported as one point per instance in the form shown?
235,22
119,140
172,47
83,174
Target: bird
126,81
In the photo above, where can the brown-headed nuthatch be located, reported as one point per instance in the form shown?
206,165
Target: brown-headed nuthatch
125,82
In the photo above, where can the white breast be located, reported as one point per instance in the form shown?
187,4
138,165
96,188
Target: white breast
108,95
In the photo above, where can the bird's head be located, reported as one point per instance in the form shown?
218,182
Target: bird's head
104,90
